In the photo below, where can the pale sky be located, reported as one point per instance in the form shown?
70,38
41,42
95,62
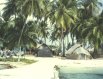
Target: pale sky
1,5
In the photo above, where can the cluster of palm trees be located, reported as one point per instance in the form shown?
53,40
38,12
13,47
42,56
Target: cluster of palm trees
51,19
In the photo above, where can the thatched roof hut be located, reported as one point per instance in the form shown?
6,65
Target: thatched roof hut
77,52
44,51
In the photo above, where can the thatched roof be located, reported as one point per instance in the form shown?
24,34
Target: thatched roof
73,48
44,51
81,50
77,49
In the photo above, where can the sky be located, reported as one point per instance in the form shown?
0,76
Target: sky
1,6
102,4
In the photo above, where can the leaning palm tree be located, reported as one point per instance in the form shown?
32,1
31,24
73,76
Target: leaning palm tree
28,39
13,34
24,8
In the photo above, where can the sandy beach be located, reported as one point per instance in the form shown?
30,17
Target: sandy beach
44,68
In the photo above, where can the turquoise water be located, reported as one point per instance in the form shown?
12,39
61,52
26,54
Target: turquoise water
80,73
81,76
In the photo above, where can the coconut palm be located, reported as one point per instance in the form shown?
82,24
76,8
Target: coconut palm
86,11
88,27
94,33
24,8
10,9
4,26
28,38
63,14
2,31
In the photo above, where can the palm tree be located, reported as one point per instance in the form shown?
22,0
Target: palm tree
4,26
88,28
10,10
2,31
37,9
94,33
28,38
86,11
63,14
25,8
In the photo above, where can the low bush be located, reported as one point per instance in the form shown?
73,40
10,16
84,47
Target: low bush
27,61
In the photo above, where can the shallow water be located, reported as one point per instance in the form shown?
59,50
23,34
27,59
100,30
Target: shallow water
81,76
80,73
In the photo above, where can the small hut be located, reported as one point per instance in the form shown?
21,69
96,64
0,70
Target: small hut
44,51
77,52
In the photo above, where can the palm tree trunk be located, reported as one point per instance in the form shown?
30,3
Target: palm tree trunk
68,43
63,48
21,33
72,37
19,40
45,39
95,53
19,55
62,41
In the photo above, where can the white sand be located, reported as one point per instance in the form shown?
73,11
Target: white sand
44,68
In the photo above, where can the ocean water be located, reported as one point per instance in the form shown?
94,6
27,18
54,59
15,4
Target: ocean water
81,76
81,73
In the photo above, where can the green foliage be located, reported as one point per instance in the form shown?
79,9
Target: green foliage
77,17
27,61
